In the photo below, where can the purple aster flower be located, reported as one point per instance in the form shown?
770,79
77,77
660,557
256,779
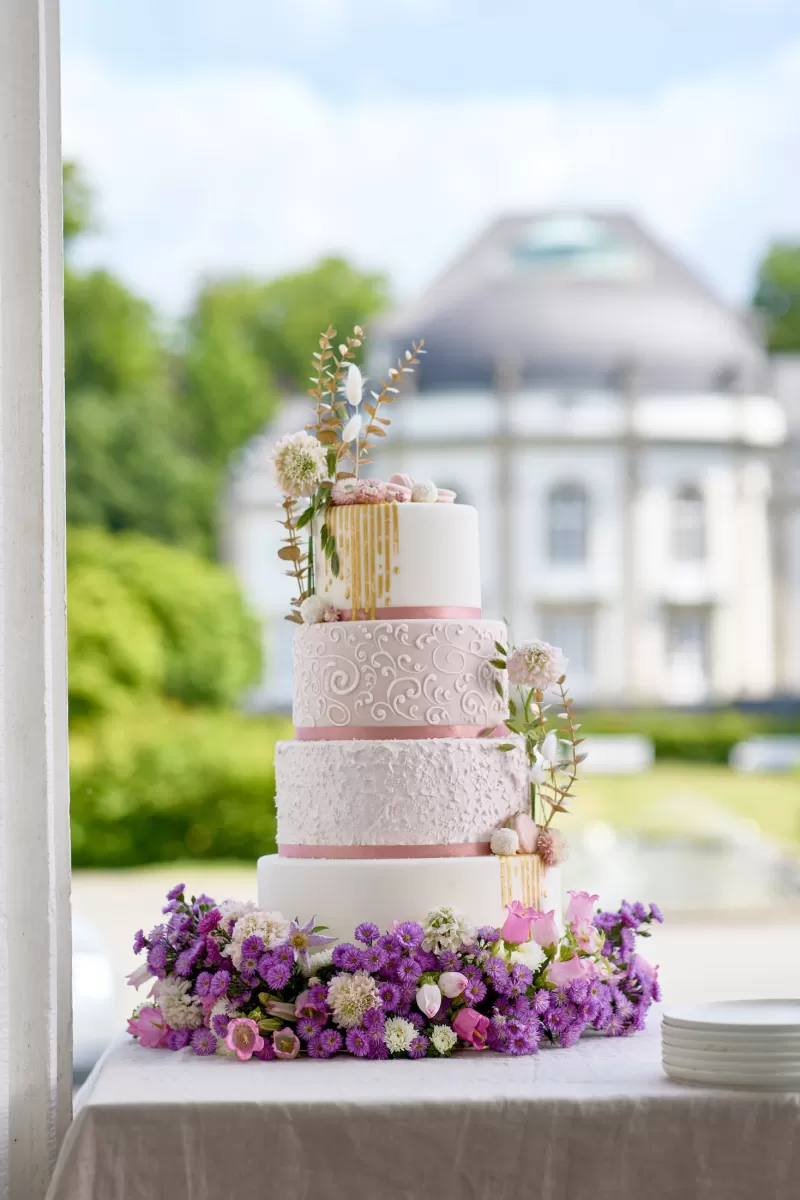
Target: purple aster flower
253,946
419,1047
417,1019
209,920
640,911
176,892
157,959
541,1001
389,943
614,1026
203,1041
474,992
202,985
139,941
284,954
624,1006
373,959
219,1024
278,976
449,961
205,900
265,963
358,1039
408,970
496,972
488,933
627,944
372,1021
409,935
302,938
427,960
177,1039
170,907
220,983
640,1016
656,913
325,1043
497,1034
571,1035
347,957
606,921
184,963
318,996
578,990
377,1048
473,973
307,1028
367,932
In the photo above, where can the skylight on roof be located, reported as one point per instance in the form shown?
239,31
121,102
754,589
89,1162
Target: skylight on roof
576,245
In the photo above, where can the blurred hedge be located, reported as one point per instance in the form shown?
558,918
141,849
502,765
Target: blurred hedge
166,783
691,736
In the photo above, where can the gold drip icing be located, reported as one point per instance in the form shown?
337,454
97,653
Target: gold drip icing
523,872
367,541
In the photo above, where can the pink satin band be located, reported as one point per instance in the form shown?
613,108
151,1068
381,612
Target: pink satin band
453,850
419,613
379,733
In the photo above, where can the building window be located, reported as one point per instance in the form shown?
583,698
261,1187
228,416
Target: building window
688,654
572,632
689,525
567,523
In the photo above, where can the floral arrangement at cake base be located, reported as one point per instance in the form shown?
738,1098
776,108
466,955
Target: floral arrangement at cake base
235,980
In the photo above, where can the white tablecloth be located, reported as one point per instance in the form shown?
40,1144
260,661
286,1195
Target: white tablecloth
597,1122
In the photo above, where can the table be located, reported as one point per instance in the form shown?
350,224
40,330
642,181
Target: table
597,1122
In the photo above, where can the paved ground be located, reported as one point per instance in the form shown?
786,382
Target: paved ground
724,957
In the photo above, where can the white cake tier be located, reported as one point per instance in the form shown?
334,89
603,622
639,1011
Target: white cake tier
341,894
398,678
406,793
402,556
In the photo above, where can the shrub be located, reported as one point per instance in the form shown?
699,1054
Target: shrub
168,783
691,736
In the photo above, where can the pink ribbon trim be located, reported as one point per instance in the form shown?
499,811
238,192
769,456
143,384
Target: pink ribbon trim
379,733
452,850
419,613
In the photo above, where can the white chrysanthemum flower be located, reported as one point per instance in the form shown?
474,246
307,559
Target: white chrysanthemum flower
504,841
398,1034
181,1011
272,927
235,909
223,1050
445,929
530,954
313,609
443,1039
350,996
322,958
537,665
300,464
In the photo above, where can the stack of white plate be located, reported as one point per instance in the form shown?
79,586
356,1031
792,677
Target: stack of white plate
734,1043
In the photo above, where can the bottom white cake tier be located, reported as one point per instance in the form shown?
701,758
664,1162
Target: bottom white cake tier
342,893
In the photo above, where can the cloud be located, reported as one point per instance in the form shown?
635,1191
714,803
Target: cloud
221,171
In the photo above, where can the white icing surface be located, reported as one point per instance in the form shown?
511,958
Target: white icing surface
436,562
344,893
430,791
398,673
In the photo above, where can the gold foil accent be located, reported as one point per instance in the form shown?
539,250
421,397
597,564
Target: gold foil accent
522,877
367,539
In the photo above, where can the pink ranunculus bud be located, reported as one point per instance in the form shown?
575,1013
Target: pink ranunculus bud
471,1027
452,984
544,929
527,831
517,927
563,971
581,908
429,999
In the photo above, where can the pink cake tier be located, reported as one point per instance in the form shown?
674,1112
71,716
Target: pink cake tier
423,678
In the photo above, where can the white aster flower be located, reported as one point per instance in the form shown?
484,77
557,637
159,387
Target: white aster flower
350,996
181,1011
445,929
537,665
443,1039
322,958
300,464
504,841
272,927
530,954
398,1034
313,609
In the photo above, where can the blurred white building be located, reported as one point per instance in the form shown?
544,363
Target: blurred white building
624,439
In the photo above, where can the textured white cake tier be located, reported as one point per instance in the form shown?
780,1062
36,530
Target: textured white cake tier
341,894
401,556
378,674
433,791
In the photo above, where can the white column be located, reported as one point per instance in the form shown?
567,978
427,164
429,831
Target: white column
35,977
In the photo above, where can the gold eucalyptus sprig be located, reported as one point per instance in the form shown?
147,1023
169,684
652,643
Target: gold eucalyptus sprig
328,379
292,552
390,389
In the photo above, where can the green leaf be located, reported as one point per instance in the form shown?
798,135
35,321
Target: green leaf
323,536
507,746
498,687
501,649
512,706
499,663
335,564
330,460
305,517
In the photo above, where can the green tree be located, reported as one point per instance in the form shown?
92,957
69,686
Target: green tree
777,296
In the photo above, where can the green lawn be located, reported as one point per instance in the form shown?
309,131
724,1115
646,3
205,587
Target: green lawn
698,797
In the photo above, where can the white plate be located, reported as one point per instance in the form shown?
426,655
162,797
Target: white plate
713,1079
743,1016
745,1048
722,1062
736,1067
715,1037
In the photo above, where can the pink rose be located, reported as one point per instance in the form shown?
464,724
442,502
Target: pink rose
581,908
563,971
243,1038
517,928
527,831
286,1043
149,1027
544,929
452,984
471,1027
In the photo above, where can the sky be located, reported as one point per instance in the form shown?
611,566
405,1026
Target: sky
257,135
